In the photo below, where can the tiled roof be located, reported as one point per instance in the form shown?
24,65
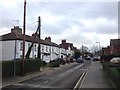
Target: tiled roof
18,36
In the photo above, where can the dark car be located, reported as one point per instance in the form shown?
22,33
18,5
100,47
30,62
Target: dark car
88,58
80,60
62,61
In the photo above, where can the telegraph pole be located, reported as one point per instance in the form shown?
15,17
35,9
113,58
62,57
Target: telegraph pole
39,48
39,39
24,27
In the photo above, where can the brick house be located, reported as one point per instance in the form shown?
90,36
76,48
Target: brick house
106,50
115,46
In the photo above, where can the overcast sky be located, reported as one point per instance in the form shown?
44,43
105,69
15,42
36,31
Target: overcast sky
79,22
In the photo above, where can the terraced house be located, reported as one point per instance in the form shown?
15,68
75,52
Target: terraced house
12,45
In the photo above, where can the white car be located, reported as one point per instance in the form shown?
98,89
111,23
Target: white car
115,60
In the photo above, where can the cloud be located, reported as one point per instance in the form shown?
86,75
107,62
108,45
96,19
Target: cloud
10,4
50,19
100,25
77,22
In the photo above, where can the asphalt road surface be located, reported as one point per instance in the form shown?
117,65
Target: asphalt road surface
61,78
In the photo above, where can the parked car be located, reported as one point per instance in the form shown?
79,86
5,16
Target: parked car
80,60
115,60
74,60
96,58
67,59
71,59
62,61
88,58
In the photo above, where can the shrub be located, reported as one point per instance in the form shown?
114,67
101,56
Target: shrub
106,58
7,69
54,63
43,63
113,72
108,65
31,65
115,77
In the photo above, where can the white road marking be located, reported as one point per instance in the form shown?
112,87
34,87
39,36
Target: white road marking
61,74
83,69
45,81
53,78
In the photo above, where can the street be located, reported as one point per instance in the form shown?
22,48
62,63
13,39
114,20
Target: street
64,77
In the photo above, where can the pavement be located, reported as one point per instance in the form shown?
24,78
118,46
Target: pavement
95,77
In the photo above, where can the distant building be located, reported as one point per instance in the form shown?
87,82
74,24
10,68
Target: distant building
114,47
68,47
106,50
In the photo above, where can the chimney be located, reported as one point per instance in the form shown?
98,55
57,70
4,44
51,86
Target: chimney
37,35
33,34
48,39
16,29
64,41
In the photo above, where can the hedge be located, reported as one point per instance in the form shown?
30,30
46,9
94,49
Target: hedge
106,58
31,65
7,69
114,75
113,72
54,63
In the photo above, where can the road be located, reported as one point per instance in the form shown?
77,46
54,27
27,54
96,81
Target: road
64,77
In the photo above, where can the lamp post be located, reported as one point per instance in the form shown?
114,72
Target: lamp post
99,45
99,50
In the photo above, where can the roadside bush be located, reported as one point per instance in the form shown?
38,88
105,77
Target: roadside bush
106,58
113,72
31,65
108,65
7,69
54,63
115,77
43,63
18,68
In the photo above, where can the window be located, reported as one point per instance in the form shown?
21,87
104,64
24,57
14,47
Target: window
20,56
46,49
52,49
34,56
35,47
49,49
21,45
42,48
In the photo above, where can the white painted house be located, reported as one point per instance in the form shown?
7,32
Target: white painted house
12,45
